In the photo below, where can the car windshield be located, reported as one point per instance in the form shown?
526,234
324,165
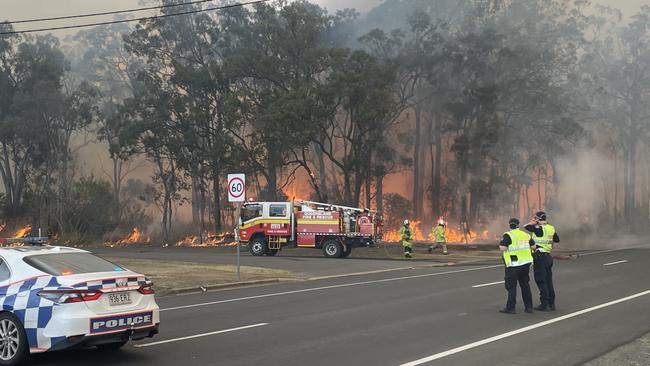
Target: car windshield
64,264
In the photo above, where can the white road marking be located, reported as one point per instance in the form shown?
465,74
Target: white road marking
200,335
326,288
611,250
521,330
617,262
488,284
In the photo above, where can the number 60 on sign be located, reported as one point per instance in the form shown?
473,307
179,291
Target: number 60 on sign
236,187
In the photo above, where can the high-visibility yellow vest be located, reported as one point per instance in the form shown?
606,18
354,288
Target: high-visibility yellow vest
438,233
518,252
545,242
406,234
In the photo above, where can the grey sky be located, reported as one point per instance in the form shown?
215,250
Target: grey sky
24,9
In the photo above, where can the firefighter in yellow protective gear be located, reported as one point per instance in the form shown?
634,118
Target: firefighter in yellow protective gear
438,234
406,234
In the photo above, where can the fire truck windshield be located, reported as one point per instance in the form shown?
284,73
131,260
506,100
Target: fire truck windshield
249,212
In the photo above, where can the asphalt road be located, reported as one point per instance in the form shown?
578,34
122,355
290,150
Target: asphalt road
399,317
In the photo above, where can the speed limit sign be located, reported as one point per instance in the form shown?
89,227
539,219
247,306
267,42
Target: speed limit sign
236,187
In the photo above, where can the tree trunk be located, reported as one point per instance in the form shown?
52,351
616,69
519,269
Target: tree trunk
539,189
644,215
630,184
528,210
379,193
358,183
322,173
368,181
367,192
417,203
515,206
437,165
216,193
347,188
196,202
272,178
117,186
615,191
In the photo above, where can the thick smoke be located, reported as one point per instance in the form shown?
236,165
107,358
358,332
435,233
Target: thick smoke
583,194
585,200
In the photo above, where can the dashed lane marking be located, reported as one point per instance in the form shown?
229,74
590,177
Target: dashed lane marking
617,262
200,335
488,284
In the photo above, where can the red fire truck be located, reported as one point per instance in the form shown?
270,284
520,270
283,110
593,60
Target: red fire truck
267,227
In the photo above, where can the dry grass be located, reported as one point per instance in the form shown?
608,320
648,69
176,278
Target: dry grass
169,275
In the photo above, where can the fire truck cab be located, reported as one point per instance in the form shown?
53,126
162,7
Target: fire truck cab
267,227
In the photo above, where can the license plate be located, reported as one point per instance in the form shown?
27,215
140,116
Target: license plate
119,298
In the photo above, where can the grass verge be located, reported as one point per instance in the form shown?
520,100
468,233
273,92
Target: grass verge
172,275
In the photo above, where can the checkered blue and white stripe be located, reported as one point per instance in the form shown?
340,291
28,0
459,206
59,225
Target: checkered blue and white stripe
33,311
112,283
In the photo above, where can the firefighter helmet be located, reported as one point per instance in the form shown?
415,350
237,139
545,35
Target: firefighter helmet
406,222
441,222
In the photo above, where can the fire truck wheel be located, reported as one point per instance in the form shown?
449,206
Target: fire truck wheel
346,252
257,246
271,252
332,249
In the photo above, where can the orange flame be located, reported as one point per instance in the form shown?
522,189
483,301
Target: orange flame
135,237
393,235
210,239
23,232
452,235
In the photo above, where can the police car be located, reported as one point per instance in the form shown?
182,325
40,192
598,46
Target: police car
55,298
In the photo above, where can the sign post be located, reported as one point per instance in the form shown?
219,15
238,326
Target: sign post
237,194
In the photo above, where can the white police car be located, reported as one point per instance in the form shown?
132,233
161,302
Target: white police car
55,298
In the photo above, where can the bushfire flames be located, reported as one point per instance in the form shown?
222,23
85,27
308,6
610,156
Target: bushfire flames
136,236
22,232
453,235
209,239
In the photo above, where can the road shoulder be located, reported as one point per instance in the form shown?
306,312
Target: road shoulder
635,353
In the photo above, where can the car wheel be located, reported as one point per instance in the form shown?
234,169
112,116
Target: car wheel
347,251
13,340
111,346
271,252
257,246
332,249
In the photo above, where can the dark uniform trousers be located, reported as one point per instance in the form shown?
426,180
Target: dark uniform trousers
542,267
514,275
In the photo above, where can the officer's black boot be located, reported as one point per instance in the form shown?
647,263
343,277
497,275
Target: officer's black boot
541,307
507,311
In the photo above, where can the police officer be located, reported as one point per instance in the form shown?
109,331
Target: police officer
438,234
516,248
544,236
406,234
